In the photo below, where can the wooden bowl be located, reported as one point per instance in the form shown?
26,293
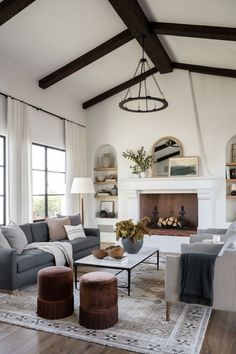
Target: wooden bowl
100,253
116,252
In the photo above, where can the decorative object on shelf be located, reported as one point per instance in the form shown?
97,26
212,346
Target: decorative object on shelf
100,178
131,234
103,214
142,161
232,172
108,206
233,189
111,215
142,101
114,190
233,153
82,185
100,254
106,160
162,150
183,166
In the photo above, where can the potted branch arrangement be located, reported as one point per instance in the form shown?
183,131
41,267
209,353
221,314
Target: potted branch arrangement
132,234
142,161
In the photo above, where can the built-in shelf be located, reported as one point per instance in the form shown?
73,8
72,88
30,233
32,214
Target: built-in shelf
230,180
105,169
110,197
106,182
229,196
231,164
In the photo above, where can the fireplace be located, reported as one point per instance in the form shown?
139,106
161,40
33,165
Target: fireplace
170,213
203,189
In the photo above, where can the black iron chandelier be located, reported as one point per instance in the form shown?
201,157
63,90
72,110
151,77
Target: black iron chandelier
142,101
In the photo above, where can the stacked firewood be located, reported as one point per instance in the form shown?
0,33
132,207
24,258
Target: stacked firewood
171,221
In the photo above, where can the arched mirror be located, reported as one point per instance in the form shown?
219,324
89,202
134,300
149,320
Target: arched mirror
163,149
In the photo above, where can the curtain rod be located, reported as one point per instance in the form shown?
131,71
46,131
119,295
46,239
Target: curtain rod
42,110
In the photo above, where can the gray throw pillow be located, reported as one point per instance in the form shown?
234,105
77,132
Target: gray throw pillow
15,237
3,242
231,230
229,244
74,219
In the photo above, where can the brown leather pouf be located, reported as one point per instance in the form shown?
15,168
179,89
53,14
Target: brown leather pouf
98,300
55,292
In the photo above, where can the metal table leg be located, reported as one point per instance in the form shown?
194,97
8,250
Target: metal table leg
158,258
128,270
75,275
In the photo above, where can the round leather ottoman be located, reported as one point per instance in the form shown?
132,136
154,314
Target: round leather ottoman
55,292
98,300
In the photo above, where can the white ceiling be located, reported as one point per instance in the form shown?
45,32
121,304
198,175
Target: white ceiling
50,33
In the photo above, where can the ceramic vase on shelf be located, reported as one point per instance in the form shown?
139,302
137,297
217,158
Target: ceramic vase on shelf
131,246
106,160
114,190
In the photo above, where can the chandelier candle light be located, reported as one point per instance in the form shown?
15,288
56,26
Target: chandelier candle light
82,185
142,101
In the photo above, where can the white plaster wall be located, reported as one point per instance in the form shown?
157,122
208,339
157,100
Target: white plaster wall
55,99
215,99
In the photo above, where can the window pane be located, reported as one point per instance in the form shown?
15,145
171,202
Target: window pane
38,182
1,151
1,180
56,204
1,210
56,183
38,208
56,160
38,157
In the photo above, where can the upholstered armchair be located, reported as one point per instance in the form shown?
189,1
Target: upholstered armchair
224,283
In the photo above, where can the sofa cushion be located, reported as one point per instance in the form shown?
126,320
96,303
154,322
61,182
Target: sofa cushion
3,242
15,236
80,244
39,231
74,231
74,219
27,231
32,258
56,228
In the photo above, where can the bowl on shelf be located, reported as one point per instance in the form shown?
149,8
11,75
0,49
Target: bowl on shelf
100,178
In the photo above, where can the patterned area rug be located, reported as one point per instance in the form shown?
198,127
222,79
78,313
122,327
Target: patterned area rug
142,327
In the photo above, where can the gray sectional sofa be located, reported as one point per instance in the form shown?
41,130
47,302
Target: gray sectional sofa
18,270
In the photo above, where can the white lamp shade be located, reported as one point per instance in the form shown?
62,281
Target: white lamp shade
83,185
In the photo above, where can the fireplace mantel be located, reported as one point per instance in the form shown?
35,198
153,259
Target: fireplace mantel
204,187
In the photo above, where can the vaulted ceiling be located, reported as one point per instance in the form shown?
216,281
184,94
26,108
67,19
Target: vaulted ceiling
90,47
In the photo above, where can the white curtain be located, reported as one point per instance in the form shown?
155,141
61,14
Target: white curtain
19,162
75,162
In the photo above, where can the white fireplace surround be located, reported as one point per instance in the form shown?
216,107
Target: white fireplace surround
204,187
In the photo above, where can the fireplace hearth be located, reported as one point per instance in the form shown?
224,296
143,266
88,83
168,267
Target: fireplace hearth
169,222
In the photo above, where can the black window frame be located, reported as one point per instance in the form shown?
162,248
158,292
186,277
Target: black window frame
46,195
4,179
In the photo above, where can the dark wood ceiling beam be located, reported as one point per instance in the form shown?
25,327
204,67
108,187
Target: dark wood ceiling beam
86,59
10,8
185,30
125,85
209,70
133,16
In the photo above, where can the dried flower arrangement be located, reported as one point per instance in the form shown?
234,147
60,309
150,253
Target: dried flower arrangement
127,228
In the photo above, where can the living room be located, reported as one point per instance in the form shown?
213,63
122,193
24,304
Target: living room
40,37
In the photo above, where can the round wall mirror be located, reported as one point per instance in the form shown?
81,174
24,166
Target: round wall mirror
164,149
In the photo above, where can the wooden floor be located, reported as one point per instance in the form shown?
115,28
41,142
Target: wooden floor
220,339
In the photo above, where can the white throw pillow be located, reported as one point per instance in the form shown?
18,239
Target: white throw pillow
74,231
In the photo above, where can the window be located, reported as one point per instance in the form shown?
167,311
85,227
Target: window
2,181
48,174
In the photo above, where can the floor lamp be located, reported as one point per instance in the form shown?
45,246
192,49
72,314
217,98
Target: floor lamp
82,185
